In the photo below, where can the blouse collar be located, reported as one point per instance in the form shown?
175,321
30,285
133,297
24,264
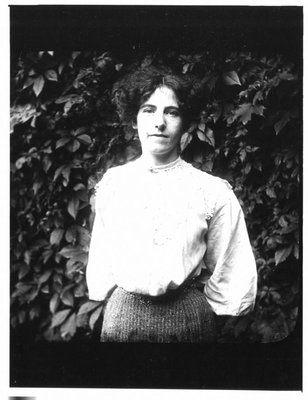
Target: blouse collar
159,168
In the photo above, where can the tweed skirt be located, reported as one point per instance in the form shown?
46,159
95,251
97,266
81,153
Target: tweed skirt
181,315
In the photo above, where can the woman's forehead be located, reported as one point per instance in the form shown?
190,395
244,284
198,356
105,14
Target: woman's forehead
163,95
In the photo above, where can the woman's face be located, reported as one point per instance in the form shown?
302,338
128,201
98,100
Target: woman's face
160,125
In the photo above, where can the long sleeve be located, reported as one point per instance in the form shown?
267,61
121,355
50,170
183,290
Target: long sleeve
99,275
231,289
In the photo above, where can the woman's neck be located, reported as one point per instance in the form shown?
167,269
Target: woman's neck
159,160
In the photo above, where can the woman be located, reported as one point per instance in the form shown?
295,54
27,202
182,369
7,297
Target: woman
163,228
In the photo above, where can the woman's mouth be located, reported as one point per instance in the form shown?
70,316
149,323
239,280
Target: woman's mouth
158,135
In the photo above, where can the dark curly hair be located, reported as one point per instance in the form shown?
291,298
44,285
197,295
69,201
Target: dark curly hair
136,87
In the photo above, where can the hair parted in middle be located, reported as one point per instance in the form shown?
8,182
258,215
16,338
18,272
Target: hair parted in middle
134,88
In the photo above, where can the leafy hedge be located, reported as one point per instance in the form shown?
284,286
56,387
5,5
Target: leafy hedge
65,134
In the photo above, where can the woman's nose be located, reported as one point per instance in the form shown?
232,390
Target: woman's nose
160,122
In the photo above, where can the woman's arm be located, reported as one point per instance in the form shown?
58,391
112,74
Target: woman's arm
231,289
99,272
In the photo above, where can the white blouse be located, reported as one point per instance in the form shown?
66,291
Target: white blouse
156,227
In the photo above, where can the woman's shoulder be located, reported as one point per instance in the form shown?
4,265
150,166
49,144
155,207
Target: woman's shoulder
115,174
209,181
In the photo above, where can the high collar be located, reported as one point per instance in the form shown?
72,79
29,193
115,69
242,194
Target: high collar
160,168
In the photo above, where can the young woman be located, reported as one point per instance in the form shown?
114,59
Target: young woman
163,228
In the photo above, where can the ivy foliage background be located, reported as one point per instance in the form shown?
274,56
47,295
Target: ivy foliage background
65,134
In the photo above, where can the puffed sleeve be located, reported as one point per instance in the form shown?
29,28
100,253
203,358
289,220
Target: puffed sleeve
99,275
231,289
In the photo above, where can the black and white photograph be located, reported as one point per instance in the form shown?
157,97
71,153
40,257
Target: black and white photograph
156,197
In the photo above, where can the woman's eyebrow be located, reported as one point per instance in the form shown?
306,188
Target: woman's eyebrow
147,105
175,107
151,105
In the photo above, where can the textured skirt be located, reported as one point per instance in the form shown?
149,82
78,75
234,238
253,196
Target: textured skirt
181,315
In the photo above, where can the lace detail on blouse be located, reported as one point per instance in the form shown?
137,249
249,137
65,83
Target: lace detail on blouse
209,206
166,198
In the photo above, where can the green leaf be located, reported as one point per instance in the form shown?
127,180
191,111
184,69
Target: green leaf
83,236
198,157
59,317
85,139
80,290
257,97
21,316
28,83
67,298
216,112
65,98
66,174
67,251
231,78
244,112
282,123
51,75
209,137
58,172
45,289
70,234
22,288
62,142
201,135
46,255
73,146
80,131
23,271
271,193
185,140
258,109
74,254
36,186
79,186
186,68
82,195
27,257
54,303
88,306
201,126
68,106
46,275
94,317
282,254
56,236
31,72
20,162
75,54
38,85
243,155
34,312
68,329
247,168
73,207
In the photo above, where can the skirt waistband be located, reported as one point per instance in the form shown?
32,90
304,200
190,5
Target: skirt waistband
171,294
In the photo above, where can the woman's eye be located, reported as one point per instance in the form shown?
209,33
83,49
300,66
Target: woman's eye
147,110
173,113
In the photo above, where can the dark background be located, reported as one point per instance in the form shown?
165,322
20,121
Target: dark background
122,27
275,366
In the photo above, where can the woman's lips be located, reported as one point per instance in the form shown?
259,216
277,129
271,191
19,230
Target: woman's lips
158,135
